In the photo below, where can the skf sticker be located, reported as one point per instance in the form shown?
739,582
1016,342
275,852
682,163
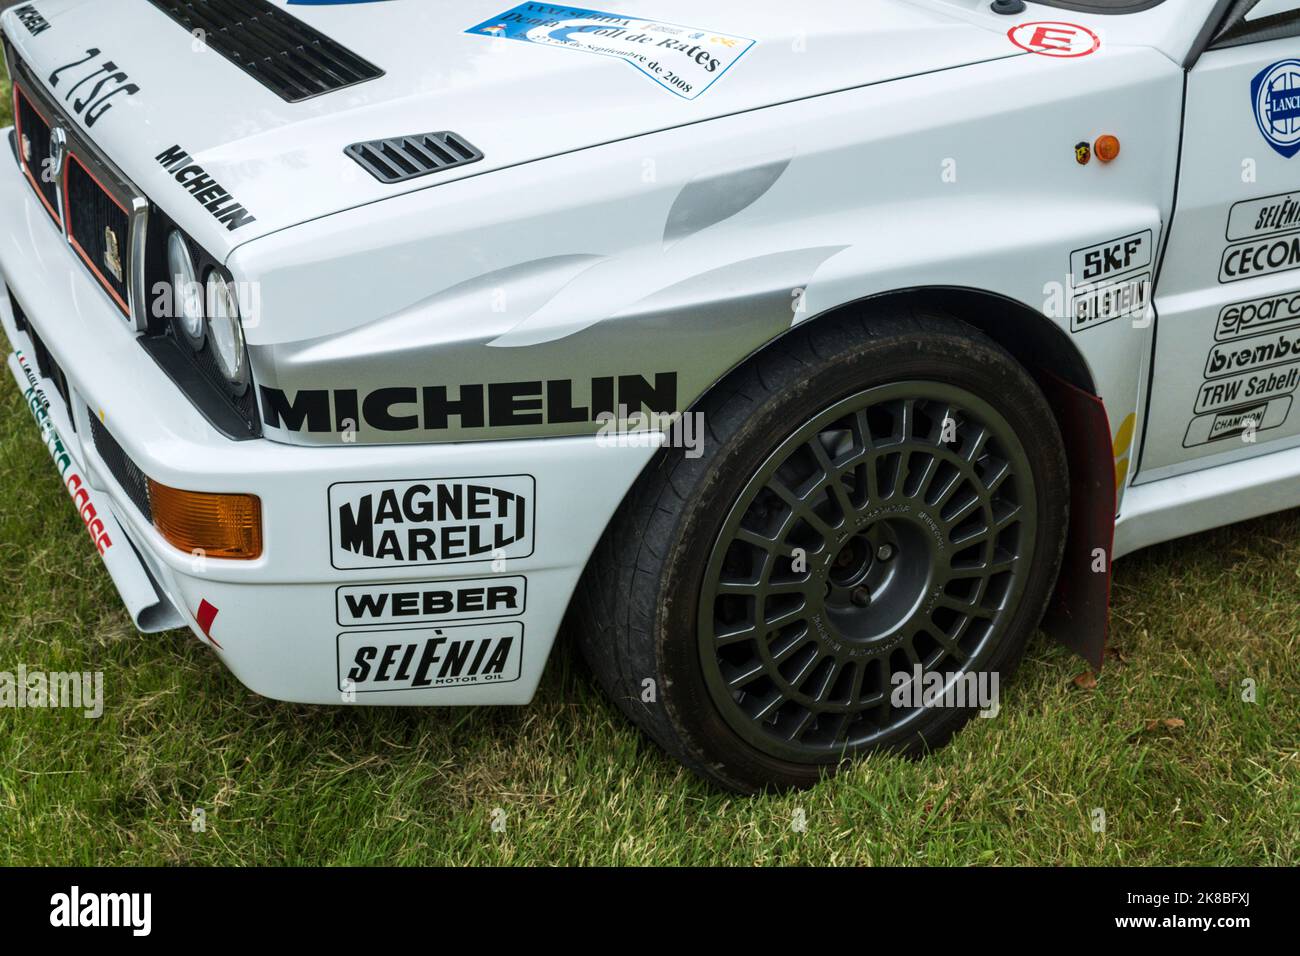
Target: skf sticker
1055,38
1275,96
1110,280
388,524
371,661
683,60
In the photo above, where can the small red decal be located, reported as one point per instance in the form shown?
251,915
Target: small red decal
205,616
1054,38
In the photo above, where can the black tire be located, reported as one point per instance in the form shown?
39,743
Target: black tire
664,597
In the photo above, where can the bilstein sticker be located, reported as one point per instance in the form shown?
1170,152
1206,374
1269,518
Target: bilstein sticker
433,658
423,602
683,60
382,524
1093,306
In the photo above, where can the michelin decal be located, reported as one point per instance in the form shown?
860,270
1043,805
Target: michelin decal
683,60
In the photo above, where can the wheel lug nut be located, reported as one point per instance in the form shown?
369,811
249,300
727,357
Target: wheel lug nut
861,597
885,552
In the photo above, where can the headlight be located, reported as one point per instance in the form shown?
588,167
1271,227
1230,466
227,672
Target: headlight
187,295
225,333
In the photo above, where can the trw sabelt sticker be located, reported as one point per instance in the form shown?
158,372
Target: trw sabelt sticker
683,60
421,602
390,524
430,658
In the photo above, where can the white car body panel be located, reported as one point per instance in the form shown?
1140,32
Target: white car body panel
615,229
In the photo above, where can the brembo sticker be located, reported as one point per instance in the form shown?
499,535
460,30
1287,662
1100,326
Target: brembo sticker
385,524
1055,38
430,659
424,602
683,60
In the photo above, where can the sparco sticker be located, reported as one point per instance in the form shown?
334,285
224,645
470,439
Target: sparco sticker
383,524
371,661
1055,38
683,60
423,602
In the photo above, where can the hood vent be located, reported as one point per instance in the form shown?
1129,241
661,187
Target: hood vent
401,158
285,55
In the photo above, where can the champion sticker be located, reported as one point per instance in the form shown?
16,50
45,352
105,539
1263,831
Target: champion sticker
432,658
1275,96
388,524
1055,38
683,60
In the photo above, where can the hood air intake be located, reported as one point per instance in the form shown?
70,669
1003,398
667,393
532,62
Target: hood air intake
401,158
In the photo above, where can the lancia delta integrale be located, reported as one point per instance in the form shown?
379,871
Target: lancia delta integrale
804,361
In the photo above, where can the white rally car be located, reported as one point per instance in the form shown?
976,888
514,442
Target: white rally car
798,356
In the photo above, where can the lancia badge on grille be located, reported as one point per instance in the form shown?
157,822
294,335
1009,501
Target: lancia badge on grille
58,151
27,149
112,253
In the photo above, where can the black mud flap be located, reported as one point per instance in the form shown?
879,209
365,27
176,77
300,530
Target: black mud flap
1079,613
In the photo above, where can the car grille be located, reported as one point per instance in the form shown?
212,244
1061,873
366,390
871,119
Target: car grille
99,229
288,57
124,471
34,131
90,201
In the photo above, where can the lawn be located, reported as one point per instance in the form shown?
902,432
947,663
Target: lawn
1185,770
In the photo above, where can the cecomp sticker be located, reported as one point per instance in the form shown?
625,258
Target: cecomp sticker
683,60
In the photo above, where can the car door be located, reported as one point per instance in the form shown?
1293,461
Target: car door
1227,353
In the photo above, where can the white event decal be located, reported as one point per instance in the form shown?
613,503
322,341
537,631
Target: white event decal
683,60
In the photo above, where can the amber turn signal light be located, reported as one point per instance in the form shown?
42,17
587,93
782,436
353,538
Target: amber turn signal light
216,526
1106,148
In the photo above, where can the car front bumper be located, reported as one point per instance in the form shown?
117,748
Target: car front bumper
279,622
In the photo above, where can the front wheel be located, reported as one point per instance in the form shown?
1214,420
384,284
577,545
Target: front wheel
856,561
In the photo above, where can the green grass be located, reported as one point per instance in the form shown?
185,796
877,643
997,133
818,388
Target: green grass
313,785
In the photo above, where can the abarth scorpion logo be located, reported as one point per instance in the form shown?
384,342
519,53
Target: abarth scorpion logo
1275,93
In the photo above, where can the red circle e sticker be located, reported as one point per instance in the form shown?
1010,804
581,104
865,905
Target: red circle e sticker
1054,38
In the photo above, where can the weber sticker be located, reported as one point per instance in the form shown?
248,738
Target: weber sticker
443,657
422,602
1231,424
683,60
384,524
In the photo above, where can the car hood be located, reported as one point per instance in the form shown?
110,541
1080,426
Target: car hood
519,83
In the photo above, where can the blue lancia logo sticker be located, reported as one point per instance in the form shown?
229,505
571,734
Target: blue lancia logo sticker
1275,93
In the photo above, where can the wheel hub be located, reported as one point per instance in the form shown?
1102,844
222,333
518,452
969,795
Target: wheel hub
891,530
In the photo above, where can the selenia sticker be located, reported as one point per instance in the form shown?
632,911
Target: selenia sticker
683,60
430,658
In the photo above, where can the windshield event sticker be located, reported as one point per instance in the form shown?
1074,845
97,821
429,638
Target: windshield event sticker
683,60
